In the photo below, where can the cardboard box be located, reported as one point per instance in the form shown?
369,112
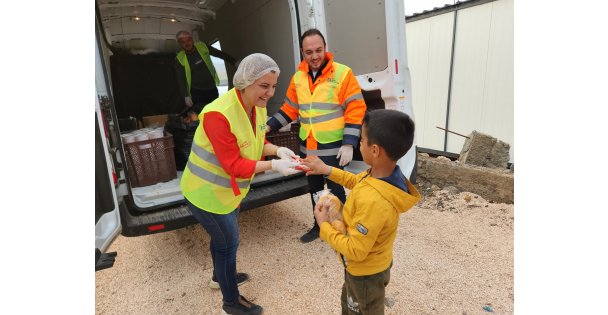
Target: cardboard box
154,121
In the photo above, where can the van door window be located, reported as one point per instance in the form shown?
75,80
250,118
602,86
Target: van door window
220,67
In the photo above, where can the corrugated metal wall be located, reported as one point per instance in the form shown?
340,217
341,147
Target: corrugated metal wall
482,75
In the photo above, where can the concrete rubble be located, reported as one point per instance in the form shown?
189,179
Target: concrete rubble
495,185
484,150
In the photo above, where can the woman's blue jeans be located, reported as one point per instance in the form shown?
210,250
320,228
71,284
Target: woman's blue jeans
224,232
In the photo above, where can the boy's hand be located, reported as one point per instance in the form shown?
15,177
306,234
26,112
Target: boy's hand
321,213
315,166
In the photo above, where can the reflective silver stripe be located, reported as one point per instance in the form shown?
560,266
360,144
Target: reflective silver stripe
281,119
205,155
214,178
352,131
327,117
290,103
317,105
357,96
325,152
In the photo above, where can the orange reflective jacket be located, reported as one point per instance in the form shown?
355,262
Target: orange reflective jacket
334,112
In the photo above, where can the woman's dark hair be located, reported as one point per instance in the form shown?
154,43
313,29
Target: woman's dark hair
311,32
390,129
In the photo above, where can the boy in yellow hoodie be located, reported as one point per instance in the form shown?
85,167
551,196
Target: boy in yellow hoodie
371,212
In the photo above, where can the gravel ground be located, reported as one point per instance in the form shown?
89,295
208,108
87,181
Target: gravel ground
453,255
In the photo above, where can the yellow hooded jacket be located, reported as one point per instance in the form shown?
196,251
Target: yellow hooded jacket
371,214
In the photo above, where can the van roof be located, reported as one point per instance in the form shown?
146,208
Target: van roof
141,26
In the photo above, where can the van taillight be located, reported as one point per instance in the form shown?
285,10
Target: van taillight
114,177
396,67
157,227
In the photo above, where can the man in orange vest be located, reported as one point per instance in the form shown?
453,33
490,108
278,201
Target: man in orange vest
326,97
196,74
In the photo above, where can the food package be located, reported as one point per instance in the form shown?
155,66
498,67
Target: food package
154,121
325,197
189,117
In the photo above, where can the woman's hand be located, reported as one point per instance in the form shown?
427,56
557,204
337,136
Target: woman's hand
286,154
285,167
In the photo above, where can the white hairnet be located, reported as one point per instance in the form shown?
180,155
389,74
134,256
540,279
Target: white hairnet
252,68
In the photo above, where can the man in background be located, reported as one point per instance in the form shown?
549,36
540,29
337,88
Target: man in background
196,74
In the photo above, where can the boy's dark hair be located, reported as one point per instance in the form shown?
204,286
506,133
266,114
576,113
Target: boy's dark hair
390,129
311,32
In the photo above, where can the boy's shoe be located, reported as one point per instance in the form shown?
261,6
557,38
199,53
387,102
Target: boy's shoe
241,278
242,307
311,235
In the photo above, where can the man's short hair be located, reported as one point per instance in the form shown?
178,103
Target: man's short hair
390,129
311,32
182,33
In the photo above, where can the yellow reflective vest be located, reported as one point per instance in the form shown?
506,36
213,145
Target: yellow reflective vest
204,182
321,111
203,51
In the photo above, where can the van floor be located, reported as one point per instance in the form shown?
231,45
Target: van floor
166,192
158,194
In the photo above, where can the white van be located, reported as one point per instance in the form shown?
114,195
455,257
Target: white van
134,77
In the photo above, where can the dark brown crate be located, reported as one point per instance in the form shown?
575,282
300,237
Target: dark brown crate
151,161
288,139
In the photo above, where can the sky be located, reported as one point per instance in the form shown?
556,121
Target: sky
417,6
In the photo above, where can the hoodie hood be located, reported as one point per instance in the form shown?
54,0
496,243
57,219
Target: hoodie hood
401,200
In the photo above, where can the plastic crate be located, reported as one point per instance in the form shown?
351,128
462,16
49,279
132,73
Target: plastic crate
150,161
288,139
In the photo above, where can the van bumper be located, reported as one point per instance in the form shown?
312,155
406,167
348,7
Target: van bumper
179,216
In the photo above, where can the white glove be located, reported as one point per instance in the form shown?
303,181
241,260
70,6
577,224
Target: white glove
345,154
285,153
188,101
285,167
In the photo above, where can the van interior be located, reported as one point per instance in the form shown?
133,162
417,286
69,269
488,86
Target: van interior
138,48
138,39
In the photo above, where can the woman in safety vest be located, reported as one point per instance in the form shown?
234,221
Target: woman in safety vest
226,152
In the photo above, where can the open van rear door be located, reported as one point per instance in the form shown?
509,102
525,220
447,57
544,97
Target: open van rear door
370,39
107,218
